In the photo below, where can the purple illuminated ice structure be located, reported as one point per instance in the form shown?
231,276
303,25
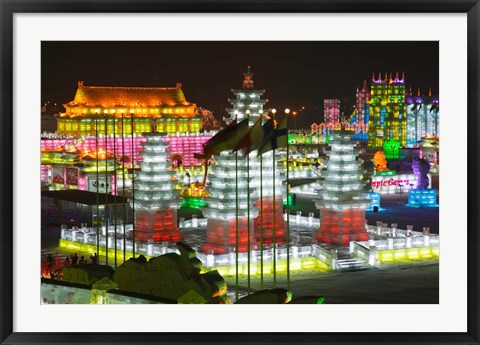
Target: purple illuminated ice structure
421,167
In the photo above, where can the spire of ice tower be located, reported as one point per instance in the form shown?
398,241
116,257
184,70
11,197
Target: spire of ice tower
248,79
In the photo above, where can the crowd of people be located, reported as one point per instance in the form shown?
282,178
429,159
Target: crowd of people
73,260
52,267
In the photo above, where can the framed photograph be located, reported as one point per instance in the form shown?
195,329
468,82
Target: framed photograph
203,163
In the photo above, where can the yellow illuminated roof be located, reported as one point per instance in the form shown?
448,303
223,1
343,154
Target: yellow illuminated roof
114,96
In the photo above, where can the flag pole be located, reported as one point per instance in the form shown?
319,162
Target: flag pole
274,238
287,111
98,201
123,189
106,190
261,214
248,213
115,181
133,187
205,173
236,226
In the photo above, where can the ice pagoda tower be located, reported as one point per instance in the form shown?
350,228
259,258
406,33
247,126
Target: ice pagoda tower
155,199
342,201
229,173
268,183
230,169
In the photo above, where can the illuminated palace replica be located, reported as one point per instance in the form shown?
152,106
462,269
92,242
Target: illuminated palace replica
163,108
112,120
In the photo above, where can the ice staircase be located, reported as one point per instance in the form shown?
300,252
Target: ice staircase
347,263
315,171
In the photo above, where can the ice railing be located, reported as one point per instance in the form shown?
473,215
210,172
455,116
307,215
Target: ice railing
295,219
194,222
88,236
384,241
306,189
210,260
298,219
324,255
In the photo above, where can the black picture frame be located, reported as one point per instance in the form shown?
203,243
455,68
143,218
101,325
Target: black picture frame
10,7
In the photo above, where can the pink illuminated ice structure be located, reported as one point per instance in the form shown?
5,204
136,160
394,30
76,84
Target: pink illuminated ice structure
182,147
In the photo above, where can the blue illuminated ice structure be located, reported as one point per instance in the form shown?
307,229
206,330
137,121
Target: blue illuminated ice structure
375,197
422,198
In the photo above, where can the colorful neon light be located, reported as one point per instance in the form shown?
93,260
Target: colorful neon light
391,148
387,111
331,111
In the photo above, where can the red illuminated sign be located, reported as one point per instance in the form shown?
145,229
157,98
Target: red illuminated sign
390,182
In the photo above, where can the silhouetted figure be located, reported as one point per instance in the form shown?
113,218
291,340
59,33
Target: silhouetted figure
74,259
81,261
94,258
50,260
66,262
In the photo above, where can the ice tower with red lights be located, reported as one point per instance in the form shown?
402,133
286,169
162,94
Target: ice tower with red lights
342,200
155,199
258,187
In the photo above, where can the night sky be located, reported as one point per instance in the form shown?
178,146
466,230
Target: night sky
294,74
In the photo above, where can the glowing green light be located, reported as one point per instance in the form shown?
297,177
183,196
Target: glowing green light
385,173
193,203
290,200
391,148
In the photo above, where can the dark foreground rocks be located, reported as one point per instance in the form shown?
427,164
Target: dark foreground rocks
172,276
